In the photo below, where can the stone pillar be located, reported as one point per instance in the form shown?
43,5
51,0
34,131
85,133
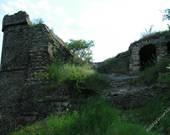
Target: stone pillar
15,41
134,65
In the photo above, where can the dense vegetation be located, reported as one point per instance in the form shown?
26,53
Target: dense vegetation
147,114
79,79
158,75
77,73
96,117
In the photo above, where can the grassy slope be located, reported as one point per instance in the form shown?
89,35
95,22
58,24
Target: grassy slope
152,110
160,101
118,64
94,118
101,119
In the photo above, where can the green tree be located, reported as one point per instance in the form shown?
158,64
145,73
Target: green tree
81,49
166,15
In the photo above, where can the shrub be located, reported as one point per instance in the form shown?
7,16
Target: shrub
80,79
38,21
70,74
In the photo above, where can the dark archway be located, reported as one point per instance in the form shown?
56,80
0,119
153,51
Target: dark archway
168,48
147,56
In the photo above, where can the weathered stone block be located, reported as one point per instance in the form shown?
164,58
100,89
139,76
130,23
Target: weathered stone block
20,18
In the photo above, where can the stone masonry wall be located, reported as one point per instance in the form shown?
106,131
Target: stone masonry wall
160,44
28,49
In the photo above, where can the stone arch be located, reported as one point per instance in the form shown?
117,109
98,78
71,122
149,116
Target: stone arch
147,56
168,48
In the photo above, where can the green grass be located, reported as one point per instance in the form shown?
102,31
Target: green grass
153,109
126,128
158,34
158,74
154,73
79,79
96,117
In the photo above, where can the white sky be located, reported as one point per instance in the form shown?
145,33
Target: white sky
112,24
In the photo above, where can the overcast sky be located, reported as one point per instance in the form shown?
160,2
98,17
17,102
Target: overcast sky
112,24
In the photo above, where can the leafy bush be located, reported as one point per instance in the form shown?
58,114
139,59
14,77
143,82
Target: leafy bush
78,61
166,15
94,118
80,79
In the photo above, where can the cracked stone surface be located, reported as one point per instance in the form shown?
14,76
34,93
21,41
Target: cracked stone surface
122,93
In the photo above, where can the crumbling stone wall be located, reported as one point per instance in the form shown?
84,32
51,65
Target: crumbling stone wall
160,43
27,49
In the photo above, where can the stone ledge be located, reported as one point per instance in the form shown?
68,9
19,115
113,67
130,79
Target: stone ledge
20,18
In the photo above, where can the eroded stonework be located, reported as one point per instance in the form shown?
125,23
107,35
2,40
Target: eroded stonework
148,50
27,49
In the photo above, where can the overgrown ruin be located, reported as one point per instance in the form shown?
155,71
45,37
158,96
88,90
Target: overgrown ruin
148,50
27,49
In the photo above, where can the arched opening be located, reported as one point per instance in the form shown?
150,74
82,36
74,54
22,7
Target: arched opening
147,56
168,48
